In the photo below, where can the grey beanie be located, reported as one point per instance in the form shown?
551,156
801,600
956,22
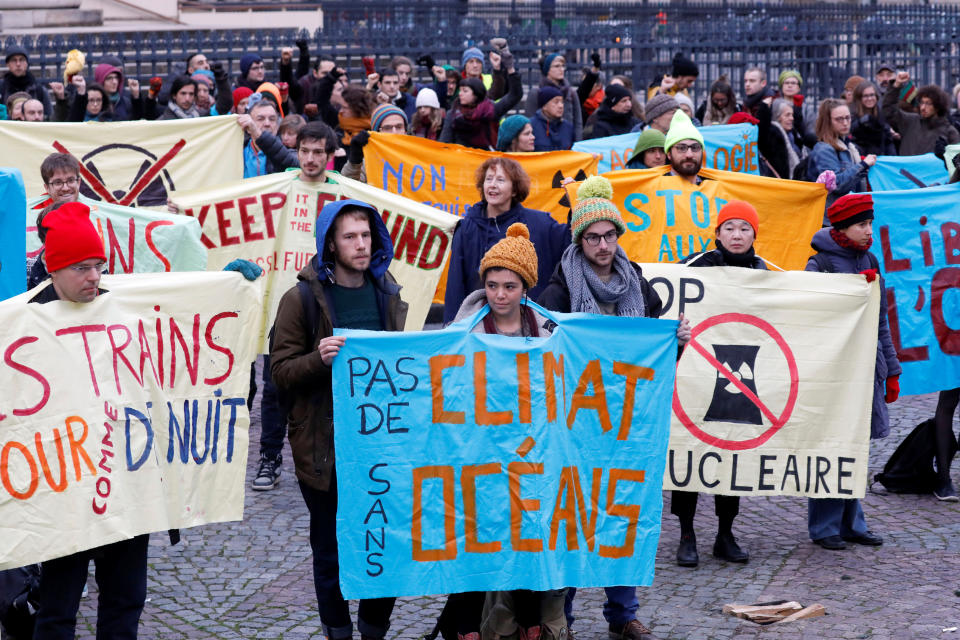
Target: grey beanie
659,105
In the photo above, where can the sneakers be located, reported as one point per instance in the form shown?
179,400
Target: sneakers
268,475
946,492
633,630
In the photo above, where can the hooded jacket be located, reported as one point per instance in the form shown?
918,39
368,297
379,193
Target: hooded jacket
844,260
551,135
476,233
297,368
572,111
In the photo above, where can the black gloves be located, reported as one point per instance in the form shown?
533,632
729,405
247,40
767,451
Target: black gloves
302,44
595,58
426,60
219,73
940,147
357,143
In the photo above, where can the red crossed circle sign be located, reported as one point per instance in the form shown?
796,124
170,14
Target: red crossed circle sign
776,421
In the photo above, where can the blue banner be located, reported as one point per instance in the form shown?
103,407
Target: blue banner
895,173
13,247
475,462
917,240
729,147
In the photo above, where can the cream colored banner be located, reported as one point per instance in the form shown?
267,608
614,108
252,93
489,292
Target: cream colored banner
270,220
135,164
126,415
774,391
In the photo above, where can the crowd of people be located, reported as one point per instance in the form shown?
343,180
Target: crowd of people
503,255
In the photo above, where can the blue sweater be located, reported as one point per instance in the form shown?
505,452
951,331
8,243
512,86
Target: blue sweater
476,233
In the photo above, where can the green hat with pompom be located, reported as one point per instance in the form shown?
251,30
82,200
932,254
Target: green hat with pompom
593,205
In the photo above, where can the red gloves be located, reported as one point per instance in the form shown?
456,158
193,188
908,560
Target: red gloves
155,84
893,389
871,275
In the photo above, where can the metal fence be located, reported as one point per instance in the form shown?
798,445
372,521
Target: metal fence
826,42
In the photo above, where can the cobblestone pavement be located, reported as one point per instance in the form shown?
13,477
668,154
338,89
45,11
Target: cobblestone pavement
253,579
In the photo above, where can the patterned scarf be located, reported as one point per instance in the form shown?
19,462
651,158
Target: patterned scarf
192,112
841,239
588,291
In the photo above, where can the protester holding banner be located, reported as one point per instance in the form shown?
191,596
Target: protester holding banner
844,248
508,270
835,152
516,135
503,186
553,69
737,225
869,130
648,150
919,131
349,286
595,276
615,115
263,151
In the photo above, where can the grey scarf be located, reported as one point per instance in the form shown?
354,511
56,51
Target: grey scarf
588,291
192,112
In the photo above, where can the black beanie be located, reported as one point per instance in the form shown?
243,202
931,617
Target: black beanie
684,66
614,93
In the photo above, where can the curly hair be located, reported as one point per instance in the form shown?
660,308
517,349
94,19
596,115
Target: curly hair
516,174
937,96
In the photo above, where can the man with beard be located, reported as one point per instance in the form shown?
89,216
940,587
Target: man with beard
684,147
346,284
316,143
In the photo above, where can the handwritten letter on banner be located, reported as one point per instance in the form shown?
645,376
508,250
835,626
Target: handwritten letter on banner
471,462
136,163
125,415
270,220
774,390
919,254
136,240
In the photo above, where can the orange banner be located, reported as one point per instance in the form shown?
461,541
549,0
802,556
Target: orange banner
669,218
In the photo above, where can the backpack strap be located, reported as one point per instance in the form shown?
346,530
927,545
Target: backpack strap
309,303
823,263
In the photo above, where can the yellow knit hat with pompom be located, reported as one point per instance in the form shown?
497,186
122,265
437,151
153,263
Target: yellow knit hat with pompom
515,252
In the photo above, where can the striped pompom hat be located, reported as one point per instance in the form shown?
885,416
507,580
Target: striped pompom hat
593,205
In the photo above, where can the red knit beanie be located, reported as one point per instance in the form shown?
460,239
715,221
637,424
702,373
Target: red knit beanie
239,94
741,117
739,210
71,237
850,209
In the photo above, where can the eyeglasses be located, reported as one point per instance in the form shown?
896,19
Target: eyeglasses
81,269
69,182
683,148
841,118
593,239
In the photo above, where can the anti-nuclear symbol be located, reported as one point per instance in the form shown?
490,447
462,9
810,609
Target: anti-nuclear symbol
729,404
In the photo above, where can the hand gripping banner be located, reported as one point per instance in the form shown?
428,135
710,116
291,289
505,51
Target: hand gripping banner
474,462
125,415
774,390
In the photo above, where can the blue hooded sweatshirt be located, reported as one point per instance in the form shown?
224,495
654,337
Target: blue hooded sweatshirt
476,233
381,250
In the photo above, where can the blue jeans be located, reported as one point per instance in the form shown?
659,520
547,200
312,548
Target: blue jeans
619,609
373,619
121,573
835,517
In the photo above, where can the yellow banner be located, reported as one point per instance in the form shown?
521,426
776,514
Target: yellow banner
443,175
270,219
668,218
125,415
135,164
775,389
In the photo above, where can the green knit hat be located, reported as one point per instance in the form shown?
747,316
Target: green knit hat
681,128
594,205
649,139
789,73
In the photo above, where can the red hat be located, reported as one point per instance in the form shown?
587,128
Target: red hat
742,116
239,94
739,210
850,209
71,237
